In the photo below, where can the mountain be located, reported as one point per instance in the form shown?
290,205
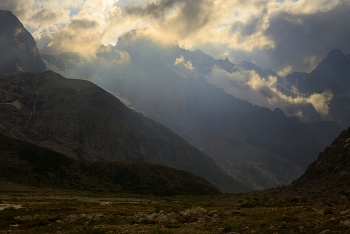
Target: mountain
81,120
330,173
26,163
18,48
332,74
260,147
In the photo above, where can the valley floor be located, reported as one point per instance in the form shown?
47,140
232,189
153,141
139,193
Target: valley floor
31,210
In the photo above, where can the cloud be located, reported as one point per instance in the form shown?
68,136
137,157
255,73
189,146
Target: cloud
282,35
181,61
249,86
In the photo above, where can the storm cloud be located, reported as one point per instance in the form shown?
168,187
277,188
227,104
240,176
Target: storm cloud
284,36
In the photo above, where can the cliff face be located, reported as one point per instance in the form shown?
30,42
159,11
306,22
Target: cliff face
18,48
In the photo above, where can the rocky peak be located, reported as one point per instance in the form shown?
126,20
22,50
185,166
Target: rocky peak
18,48
331,74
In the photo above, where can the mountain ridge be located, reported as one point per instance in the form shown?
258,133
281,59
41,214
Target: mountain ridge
81,120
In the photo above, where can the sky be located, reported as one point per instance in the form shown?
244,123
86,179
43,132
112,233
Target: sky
282,35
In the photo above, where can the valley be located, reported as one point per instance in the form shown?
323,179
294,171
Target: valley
107,128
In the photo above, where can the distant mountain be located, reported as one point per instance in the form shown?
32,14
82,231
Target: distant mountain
332,74
19,52
80,120
330,173
261,147
26,163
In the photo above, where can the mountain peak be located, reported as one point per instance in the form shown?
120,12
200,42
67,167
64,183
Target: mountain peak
335,55
331,74
18,48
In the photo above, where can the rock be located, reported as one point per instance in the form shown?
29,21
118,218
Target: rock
325,231
172,215
139,215
152,218
26,218
162,218
344,212
71,218
173,221
345,223
213,212
216,216
200,211
142,221
105,203
59,222
99,216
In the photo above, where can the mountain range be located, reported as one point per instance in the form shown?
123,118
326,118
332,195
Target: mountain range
259,146
255,145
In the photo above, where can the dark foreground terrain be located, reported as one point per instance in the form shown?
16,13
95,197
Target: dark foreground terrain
26,209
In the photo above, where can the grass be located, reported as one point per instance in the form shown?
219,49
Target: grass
70,211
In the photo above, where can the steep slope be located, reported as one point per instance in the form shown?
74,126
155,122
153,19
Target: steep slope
18,48
81,120
26,163
331,171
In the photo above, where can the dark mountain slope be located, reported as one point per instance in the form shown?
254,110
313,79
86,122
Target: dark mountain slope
81,120
18,48
331,171
25,163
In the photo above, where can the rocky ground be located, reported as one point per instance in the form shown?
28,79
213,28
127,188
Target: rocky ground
30,210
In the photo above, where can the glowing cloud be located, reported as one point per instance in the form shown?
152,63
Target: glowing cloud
249,86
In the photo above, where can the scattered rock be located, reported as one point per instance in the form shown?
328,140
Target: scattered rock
345,223
105,203
344,212
200,211
213,212
142,221
152,218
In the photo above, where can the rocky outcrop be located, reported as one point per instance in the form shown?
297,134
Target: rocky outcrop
19,52
199,215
